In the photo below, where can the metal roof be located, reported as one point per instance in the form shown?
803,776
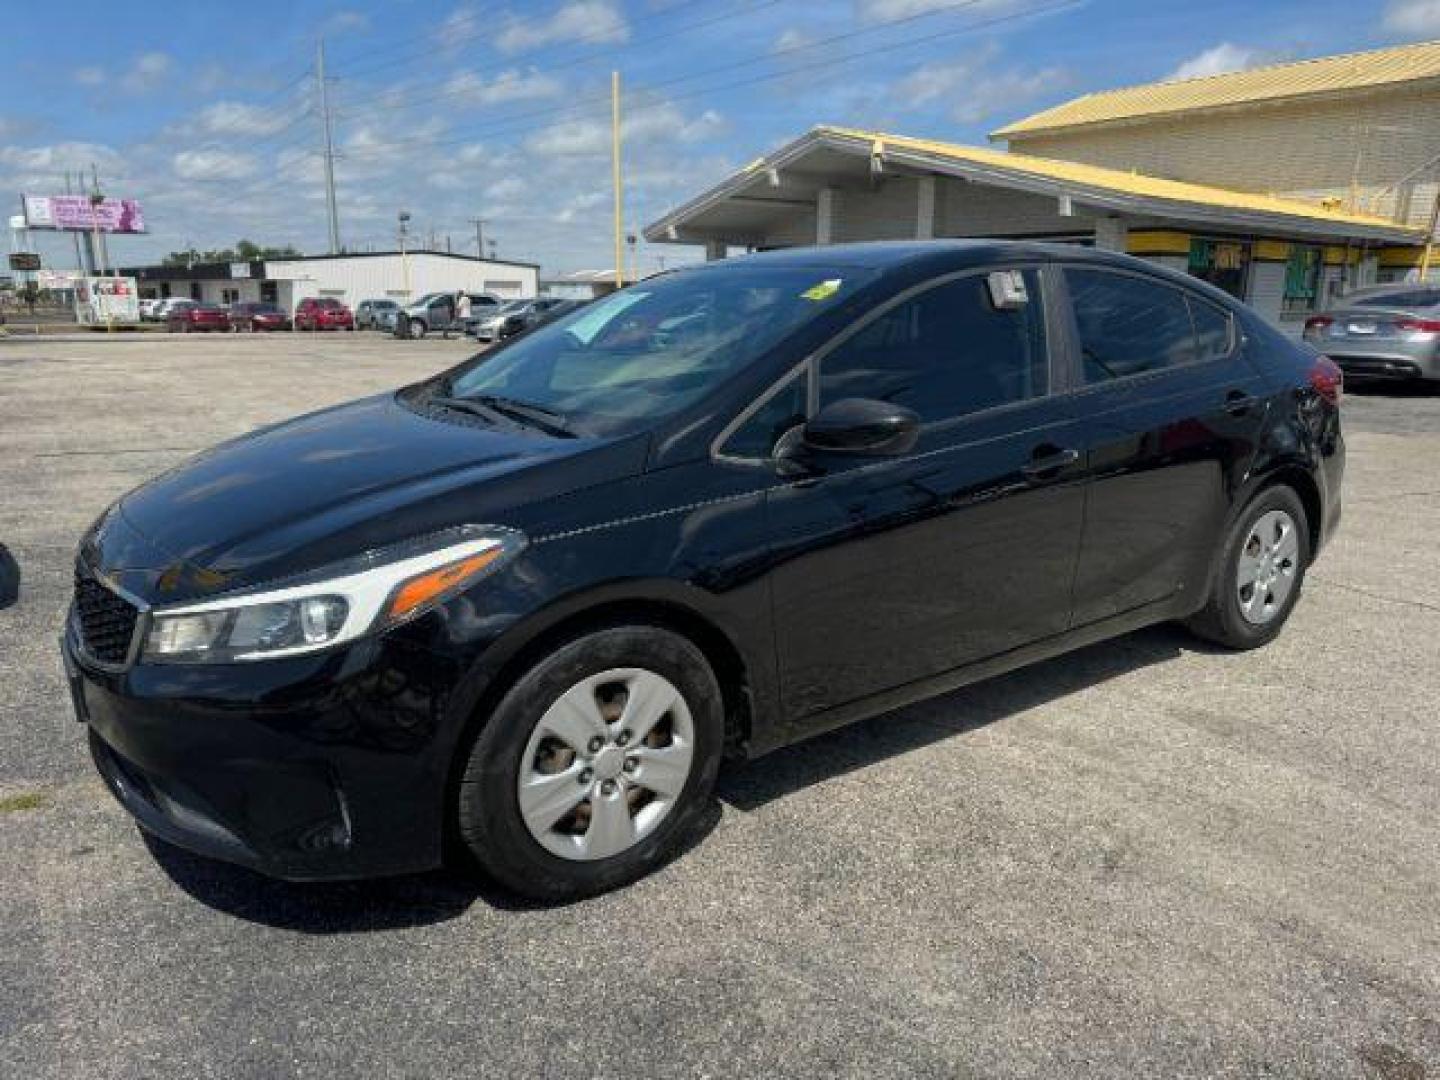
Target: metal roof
1278,82
1111,189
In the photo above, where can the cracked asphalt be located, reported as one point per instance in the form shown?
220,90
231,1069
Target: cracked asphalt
1145,858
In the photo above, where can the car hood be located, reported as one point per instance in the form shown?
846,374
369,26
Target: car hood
331,485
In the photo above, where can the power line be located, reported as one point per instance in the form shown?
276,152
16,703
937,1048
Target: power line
577,61
572,113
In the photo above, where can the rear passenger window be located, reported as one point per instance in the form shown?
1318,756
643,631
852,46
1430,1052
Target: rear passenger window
1128,325
950,351
1212,330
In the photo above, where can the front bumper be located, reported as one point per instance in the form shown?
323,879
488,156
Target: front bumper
331,766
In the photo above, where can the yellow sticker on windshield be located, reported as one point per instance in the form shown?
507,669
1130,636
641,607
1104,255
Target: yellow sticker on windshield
823,291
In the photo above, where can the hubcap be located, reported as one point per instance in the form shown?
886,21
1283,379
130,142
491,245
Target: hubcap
606,764
1265,572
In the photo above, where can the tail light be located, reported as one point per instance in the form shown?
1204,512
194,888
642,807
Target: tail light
1327,380
1424,326
1317,323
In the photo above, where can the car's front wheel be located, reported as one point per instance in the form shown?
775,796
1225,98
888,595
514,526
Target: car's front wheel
417,329
1261,570
595,765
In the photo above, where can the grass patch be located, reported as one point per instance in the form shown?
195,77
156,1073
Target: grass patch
25,800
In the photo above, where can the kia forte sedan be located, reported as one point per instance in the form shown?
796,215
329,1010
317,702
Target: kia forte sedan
518,612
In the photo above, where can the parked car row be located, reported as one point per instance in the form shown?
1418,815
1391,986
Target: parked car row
489,319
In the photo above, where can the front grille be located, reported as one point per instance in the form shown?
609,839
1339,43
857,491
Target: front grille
106,620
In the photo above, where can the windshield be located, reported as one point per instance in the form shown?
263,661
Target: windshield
511,305
652,349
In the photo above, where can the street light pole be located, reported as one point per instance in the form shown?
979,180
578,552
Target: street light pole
329,147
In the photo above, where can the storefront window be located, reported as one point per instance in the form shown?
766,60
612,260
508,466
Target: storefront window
1223,263
1302,278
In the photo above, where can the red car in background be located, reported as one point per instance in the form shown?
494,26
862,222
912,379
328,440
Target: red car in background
189,318
253,316
324,313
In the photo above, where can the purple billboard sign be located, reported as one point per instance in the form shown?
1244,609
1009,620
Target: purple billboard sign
75,212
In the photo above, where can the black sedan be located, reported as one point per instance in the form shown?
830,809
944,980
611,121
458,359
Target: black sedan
518,611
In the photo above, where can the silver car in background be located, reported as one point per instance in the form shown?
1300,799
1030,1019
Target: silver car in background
1387,333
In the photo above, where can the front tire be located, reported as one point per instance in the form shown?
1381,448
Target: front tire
595,766
1261,570
417,329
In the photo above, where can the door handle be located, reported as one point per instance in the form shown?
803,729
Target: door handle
1047,461
1238,402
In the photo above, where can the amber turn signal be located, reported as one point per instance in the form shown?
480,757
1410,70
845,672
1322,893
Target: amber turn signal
421,590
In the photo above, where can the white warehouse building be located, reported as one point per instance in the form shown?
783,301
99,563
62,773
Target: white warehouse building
349,278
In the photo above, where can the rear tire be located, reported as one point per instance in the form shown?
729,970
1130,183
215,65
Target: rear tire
610,826
1268,543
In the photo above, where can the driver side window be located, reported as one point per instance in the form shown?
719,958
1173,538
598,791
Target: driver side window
949,351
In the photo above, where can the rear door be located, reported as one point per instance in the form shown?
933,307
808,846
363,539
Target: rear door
1172,413
895,569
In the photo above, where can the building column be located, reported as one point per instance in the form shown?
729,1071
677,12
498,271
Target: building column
715,250
925,208
824,215
1110,234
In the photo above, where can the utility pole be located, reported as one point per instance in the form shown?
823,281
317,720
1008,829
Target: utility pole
100,240
329,147
404,255
80,263
615,163
479,224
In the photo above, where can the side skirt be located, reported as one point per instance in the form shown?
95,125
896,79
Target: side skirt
1177,607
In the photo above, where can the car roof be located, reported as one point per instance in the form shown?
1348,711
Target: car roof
887,254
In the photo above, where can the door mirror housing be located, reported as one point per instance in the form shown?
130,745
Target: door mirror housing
863,426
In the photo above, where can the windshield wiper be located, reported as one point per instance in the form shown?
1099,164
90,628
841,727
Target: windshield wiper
546,420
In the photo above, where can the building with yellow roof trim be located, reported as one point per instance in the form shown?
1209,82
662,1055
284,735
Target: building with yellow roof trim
1285,185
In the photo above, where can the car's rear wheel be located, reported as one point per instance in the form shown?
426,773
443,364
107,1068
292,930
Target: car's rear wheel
1261,571
595,765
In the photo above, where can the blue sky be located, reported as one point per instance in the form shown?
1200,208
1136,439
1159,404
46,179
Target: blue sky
205,111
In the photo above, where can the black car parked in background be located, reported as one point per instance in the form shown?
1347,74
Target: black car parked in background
519,611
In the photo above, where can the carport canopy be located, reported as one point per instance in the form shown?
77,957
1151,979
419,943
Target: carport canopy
834,185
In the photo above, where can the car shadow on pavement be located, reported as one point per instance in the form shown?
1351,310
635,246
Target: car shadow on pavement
350,907
9,578
1395,388
440,895
750,785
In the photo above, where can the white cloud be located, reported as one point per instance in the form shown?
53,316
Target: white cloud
90,76
510,85
1217,61
147,73
348,22
594,21
1418,17
213,165
233,118
886,10
975,89
460,26
791,38
645,125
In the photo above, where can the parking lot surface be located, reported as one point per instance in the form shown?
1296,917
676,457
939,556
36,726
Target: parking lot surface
1145,858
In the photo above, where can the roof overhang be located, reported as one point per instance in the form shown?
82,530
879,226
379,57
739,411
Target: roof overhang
1107,191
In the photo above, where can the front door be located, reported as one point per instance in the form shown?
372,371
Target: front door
895,569
1172,411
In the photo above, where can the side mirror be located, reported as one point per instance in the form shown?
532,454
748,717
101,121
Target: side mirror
862,426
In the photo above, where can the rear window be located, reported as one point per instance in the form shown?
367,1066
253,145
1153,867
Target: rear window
327,303
1407,298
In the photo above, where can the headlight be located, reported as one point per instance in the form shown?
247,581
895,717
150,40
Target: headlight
374,592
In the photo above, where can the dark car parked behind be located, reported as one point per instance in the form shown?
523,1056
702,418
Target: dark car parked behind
517,611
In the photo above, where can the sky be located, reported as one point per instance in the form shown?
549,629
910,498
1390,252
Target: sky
207,112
